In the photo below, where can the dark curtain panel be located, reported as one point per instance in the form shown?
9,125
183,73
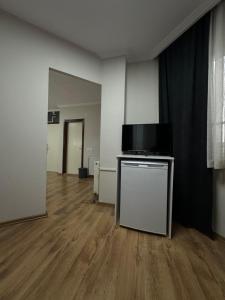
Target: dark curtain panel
183,85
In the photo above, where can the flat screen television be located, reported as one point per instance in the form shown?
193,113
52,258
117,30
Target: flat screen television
155,139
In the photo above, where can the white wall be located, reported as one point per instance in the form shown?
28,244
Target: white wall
91,115
26,54
140,106
142,96
53,148
112,118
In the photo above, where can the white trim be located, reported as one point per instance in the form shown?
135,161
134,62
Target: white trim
50,110
79,104
161,157
170,203
180,29
107,169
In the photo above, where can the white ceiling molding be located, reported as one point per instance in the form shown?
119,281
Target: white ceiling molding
78,104
187,23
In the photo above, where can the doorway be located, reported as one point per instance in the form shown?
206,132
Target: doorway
73,146
74,113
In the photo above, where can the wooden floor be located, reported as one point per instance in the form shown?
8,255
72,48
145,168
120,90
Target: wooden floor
78,253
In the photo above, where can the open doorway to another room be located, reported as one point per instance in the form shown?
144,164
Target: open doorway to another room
73,146
74,111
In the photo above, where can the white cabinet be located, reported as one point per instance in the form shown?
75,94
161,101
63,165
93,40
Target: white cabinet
145,193
143,197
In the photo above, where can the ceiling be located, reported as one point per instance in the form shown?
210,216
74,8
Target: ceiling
139,29
66,90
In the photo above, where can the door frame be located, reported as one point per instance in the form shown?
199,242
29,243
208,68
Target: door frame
65,142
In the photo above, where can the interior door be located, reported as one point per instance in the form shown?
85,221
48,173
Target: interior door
74,147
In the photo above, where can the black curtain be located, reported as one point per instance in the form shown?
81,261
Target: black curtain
183,85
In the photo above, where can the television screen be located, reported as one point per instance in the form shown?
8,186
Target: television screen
147,138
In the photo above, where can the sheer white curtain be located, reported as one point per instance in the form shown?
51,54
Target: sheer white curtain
216,90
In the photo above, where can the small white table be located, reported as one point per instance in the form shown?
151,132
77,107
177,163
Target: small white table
170,161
